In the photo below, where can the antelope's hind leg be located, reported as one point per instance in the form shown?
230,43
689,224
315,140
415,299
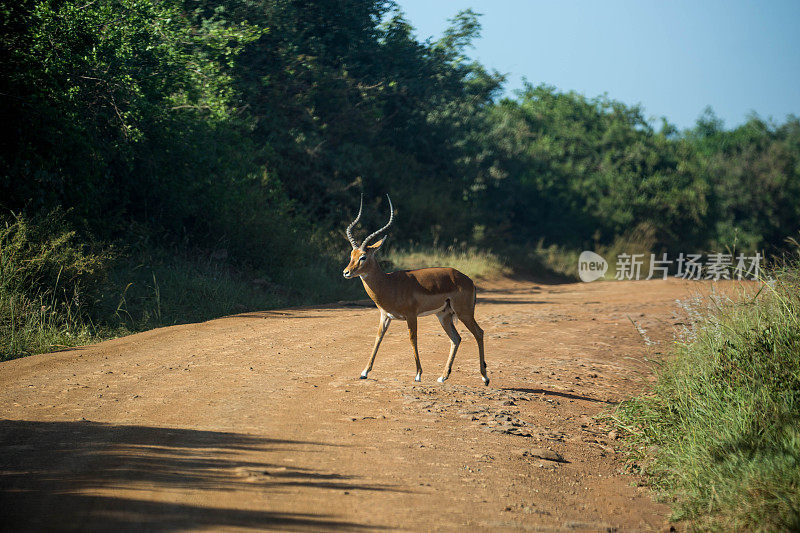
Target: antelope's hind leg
382,327
446,320
412,335
477,332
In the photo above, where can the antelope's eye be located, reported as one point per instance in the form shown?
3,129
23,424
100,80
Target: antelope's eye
362,258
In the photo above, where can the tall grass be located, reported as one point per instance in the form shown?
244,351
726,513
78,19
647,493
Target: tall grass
48,281
551,262
470,261
170,287
557,263
57,292
720,432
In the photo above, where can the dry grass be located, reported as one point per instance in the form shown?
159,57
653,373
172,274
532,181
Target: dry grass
470,261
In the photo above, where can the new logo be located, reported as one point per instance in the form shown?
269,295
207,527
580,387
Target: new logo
591,266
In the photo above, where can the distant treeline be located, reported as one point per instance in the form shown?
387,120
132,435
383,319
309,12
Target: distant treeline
254,126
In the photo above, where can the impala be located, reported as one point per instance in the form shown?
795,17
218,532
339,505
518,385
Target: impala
410,294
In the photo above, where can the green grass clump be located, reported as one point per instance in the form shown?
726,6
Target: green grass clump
48,282
469,261
720,432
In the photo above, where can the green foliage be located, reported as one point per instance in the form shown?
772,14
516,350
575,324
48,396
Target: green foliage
722,423
754,175
244,122
111,105
582,172
348,99
43,253
248,129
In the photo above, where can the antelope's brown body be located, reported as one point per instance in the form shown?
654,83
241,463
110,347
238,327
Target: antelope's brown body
420,292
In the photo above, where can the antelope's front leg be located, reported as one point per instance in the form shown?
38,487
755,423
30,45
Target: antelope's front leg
412,334
383,325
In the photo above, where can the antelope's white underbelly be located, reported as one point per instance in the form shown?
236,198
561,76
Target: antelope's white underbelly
424,313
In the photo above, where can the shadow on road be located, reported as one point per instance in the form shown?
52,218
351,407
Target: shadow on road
559,394
271,314
58,475
506,301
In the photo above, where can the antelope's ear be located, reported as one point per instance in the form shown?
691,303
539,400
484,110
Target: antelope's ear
374,247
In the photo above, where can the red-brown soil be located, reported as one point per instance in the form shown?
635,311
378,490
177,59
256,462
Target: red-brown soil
260,421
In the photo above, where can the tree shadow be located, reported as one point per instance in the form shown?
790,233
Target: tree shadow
291,312
541,274
560,394
535,289
270,314
49,469
506,301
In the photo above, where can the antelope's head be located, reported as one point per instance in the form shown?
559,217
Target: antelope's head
362,258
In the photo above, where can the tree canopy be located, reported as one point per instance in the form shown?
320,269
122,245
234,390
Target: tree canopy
262,121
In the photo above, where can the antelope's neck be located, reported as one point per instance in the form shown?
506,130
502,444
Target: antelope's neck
374,281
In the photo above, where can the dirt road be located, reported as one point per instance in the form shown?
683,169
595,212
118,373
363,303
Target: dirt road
259,421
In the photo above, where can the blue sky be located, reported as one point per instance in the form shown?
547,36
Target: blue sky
672,57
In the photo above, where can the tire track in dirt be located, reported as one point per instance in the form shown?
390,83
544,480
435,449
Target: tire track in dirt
259,421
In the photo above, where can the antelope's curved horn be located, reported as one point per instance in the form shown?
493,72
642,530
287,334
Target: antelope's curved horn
391,219
353,223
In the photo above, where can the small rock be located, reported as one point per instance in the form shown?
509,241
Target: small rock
547,455
612,435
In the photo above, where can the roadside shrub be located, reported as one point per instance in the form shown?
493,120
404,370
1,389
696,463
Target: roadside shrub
720,432
49,282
